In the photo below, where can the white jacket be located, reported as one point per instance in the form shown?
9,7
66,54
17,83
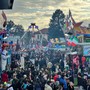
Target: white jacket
10,88
47,87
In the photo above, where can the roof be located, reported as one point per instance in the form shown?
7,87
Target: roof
80,29
43,31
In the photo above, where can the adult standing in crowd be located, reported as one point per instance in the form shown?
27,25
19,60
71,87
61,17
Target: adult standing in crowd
22,61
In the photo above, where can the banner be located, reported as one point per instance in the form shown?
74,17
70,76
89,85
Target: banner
86,50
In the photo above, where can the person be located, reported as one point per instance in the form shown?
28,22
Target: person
22,61
4,76
84,83
4,59
9,87
49,66
53,68
15,82
63,82
80,81
37,84
70,84
62,65
56,77
1,86
37,63
47,86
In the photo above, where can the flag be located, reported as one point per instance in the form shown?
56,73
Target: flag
69,41
68,23
3,19
74,41
70,14
73,21
4,16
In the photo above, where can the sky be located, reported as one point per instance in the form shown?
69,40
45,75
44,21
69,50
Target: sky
25,12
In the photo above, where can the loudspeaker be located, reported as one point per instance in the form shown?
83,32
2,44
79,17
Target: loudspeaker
6,4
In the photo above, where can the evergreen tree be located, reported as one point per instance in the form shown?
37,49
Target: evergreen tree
14,29
56,25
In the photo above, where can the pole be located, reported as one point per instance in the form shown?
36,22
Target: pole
24,34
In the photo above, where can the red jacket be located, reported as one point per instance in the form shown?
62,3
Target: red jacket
4,77
83,60
56,77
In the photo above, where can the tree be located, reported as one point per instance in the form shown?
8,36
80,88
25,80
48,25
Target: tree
14,29
17,30
56,25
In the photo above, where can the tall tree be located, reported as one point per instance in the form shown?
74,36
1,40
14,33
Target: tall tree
17,30
56,25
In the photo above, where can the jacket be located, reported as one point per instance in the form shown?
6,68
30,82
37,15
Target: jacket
47,87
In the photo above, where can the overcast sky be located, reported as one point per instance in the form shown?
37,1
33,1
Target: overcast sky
40,11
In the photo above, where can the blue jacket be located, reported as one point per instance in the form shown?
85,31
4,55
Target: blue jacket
63,81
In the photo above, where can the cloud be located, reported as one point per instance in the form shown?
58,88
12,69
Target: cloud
40,11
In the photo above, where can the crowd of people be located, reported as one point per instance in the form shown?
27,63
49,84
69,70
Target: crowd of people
44,70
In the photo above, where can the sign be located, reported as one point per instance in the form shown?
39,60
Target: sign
87,39
86,50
